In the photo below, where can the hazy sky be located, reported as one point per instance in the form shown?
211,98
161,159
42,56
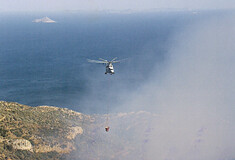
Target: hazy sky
89,5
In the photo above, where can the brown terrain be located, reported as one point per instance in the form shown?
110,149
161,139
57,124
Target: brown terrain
46,132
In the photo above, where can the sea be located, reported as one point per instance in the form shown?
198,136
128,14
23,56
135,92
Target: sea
46,64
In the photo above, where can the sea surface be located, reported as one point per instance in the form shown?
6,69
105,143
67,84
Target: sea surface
46,64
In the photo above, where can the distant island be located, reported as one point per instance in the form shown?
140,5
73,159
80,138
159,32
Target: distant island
44,20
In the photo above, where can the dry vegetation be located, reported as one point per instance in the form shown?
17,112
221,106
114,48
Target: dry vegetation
37,132
46,133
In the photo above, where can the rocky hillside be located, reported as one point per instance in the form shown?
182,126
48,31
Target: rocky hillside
57,133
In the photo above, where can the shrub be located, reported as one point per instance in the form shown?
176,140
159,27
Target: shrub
3,132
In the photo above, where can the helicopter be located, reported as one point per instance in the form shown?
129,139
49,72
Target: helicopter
109,64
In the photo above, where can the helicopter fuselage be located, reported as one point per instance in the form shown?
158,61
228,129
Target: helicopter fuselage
109,68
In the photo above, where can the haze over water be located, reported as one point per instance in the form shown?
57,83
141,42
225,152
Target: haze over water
46,64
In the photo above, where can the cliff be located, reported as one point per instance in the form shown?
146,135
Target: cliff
46,132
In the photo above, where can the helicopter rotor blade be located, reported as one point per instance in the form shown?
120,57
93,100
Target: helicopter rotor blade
96,61
119,60
103,59
113,59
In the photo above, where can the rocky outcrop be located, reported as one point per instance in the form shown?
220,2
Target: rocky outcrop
74,131
22,144
67,147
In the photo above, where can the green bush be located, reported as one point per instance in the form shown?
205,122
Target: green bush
3,132
18,132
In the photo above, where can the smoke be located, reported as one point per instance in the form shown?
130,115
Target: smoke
194,96
192,93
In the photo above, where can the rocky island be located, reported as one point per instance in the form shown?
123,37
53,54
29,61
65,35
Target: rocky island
46,132
44,20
